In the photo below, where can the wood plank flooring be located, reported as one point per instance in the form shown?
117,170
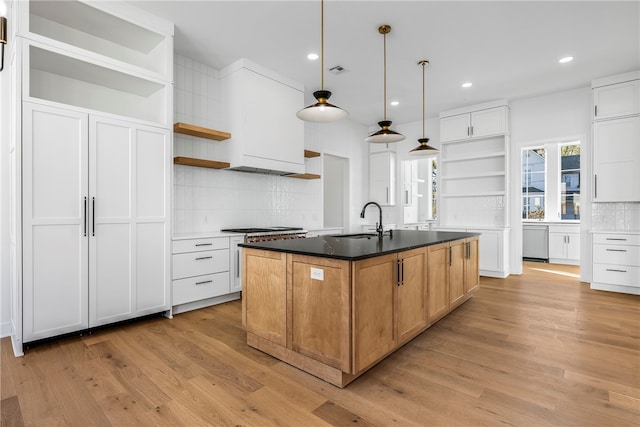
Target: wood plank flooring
540,349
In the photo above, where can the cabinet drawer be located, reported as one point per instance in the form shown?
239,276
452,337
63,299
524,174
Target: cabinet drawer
199,287
199,263
616,254
193,245
616,275
616,239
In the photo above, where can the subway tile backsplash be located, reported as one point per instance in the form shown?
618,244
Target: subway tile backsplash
615,216
210,199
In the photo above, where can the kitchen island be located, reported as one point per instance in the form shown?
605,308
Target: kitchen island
334,306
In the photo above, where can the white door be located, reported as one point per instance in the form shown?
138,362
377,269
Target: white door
54,210
129,254
616,156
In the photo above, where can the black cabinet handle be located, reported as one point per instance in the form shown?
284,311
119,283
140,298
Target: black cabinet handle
617,271
204,283
204,244
616,250
398,272
203,257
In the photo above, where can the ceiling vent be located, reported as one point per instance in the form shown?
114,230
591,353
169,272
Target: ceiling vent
338,69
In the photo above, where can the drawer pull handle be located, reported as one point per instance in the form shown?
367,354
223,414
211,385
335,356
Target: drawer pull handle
203,257
205,282
613,238
204,244
617,250
617,271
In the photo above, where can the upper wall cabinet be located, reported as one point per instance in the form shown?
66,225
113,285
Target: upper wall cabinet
616,132
484,122
382,177
90,56
613,100
261,116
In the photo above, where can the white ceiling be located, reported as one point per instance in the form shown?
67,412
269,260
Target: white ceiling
508,49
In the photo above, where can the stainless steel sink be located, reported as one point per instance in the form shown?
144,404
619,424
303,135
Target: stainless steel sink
356,236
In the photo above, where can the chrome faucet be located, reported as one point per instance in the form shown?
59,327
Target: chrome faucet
379,228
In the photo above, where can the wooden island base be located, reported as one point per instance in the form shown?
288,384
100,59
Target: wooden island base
336,318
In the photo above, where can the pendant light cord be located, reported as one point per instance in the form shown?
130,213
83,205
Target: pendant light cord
423,116
385,76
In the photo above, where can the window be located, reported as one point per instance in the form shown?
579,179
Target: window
551,182
533,183
570,181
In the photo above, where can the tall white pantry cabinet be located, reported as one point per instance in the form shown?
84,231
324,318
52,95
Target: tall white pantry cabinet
91,166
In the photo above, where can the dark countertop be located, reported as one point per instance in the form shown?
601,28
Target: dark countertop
356,249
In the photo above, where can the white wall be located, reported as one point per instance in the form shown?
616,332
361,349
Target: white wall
208,199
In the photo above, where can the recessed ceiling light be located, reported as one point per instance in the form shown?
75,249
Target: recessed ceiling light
313,56
394,103
467,84
566,59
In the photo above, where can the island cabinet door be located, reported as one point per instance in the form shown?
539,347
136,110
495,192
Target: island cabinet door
373,293
411,313
320,310
457,260
264,300
438,281
472,266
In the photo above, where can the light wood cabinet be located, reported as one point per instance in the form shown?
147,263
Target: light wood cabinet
337,318
389,304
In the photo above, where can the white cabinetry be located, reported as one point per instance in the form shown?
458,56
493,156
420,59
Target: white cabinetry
263,138
90,167
95,221
382,177
615,100
616,132
474,124
564,244
616,262
204,272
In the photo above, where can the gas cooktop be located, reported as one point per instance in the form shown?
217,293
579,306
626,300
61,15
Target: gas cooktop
260,229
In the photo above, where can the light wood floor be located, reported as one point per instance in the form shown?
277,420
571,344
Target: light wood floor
533,350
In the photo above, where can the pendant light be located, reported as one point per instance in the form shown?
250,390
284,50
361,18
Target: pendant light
384,135
321,111
424,149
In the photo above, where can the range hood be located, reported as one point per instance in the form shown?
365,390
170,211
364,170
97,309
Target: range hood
260,113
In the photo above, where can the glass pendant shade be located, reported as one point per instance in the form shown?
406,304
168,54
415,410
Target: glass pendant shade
321,111
384,135
424,149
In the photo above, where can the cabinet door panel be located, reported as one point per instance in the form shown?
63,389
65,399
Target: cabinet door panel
437,277
457,255
373,330
151,170
55,251
557,245
151,273
455,127
616,155
617,100
472,267
573,246
488,122
411,311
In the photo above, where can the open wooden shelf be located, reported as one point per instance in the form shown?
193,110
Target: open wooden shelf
309,154
304,176
190,161
200,132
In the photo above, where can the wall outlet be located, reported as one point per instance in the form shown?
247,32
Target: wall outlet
317,273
